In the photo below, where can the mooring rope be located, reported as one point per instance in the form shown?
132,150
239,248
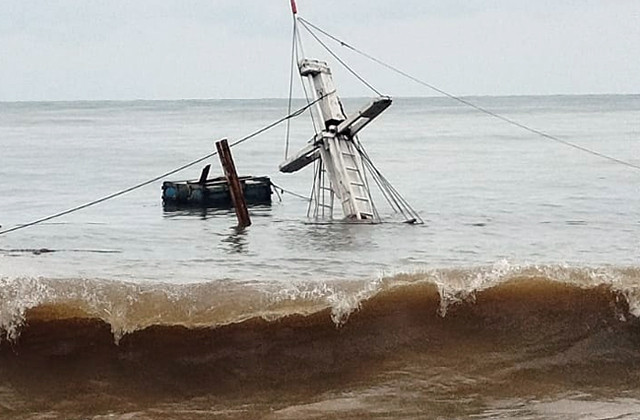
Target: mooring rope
164,175
464,101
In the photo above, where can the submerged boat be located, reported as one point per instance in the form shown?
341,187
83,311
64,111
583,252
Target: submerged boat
343,171
344,174
214,192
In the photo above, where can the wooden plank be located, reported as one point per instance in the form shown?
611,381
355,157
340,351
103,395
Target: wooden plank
304,157
235,188
359,120
204,175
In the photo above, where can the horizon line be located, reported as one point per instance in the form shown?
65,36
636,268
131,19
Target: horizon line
303,99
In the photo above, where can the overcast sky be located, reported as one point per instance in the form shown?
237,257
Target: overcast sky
156,49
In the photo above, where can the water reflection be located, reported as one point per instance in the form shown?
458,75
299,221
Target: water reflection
204,213
237,241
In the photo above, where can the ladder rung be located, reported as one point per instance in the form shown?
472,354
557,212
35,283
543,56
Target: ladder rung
358,184
363,199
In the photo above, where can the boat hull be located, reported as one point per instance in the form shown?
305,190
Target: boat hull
214,193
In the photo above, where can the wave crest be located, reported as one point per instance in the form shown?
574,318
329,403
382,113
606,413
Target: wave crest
128,307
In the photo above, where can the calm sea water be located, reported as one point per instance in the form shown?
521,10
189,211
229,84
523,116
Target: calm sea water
487,191
518,298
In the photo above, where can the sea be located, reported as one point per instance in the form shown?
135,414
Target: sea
518,298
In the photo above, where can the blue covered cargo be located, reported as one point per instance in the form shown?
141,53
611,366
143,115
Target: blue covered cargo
214,192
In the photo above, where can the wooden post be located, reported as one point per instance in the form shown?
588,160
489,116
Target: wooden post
235,189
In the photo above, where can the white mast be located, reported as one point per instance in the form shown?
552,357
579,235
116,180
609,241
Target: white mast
335,146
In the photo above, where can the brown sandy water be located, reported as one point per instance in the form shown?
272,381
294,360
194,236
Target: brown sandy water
524,345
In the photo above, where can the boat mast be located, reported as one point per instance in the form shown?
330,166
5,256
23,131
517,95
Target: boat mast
341,156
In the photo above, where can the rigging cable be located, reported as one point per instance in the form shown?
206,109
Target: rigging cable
302,82
168,173
466,102
345,65
293,46
393,197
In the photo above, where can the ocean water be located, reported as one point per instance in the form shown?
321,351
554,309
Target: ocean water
518,298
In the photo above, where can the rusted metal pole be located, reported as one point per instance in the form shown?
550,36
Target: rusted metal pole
235,188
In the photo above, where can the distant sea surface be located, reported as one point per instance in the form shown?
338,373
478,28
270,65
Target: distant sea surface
518,298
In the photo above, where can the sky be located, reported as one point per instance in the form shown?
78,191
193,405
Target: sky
201,49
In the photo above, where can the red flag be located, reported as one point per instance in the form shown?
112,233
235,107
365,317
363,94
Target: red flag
294,8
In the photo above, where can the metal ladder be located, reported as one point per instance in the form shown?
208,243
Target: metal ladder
322,196
357,200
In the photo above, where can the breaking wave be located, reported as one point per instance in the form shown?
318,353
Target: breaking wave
442,330
129,307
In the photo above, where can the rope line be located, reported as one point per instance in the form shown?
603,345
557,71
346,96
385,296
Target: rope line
345,65
467,103
302,83
288,130
278,187
393,197
166,174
